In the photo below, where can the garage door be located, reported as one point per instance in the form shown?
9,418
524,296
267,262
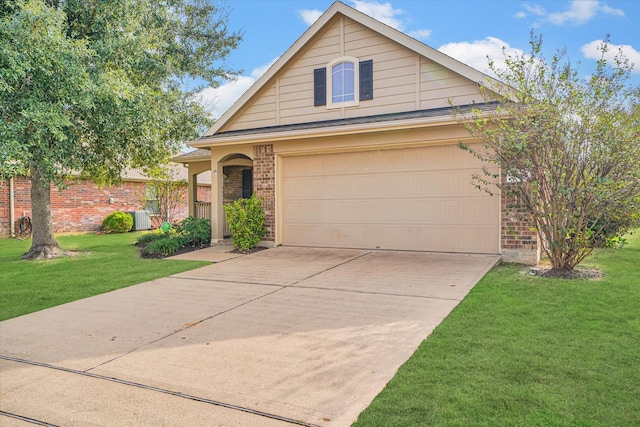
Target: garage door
405,199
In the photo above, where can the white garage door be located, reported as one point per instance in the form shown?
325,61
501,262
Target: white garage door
406,199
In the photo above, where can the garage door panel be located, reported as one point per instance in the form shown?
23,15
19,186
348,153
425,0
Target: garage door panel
394,185
385,236
411,199
439,158
406,211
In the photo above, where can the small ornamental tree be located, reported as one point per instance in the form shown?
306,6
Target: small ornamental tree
246,222
569,148
166,193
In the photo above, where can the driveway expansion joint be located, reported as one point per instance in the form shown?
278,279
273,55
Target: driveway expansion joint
329,268
388,294
159,390
26,419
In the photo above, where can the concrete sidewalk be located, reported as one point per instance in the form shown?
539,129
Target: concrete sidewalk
285,336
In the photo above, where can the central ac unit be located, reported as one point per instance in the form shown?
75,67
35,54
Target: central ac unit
141,220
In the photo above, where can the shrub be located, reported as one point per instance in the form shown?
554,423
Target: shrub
117,222
149,237
165,246
197,230
245,218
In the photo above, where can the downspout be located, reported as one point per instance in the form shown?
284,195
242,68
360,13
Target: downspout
12,202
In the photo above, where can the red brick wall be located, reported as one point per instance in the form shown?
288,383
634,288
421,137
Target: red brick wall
517,232
264,185
82,206
204,193
22,200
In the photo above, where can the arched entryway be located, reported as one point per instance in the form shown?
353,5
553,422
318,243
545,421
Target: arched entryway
231,179
237,181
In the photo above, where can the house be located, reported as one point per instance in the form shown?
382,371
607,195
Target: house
82,206
352,144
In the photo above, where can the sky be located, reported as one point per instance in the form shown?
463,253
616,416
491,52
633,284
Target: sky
467,30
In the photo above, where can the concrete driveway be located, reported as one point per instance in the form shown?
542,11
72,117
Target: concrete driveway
285,336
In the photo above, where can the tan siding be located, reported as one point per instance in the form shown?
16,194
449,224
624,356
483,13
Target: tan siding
440,84
260,113
296,89
402,81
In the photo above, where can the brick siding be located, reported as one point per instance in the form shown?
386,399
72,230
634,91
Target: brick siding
517,232
82,206
264,185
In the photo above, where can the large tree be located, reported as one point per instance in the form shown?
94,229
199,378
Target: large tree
568,146
95,87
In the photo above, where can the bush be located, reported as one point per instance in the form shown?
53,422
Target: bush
165,246
245,218
149,237
117,222
197,230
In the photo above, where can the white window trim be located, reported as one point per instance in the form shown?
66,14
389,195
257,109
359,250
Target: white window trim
356,83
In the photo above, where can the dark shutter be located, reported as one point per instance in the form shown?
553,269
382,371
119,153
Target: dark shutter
366,80
320,86
247,183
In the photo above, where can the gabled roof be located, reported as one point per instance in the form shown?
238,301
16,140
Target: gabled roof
387,31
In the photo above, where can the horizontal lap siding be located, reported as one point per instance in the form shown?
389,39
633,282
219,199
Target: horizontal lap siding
439,85
403,81
259,113
296,82
394,71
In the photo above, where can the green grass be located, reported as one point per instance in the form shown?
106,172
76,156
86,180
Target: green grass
107,262
527,351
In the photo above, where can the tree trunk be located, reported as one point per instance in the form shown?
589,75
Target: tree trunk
43,244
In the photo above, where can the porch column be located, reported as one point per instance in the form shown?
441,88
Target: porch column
217,212
192,194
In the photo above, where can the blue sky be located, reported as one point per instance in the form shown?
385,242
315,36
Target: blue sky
467,30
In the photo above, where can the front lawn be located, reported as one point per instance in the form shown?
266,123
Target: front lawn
107,262
528,351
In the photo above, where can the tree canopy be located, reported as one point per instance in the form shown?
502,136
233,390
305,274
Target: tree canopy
96,87
568,147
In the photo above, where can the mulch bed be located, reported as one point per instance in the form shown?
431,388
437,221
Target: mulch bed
184,250
188,249
577,273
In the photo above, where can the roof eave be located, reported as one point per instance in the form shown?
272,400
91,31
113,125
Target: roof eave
355,129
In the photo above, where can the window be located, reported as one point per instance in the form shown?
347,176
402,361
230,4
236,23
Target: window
152,204
342,82
350,81
247,183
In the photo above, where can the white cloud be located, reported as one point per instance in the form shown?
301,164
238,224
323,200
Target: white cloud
611,11
591,50
420,34
383,12
579,12
475,53
220,99
534,9
309,16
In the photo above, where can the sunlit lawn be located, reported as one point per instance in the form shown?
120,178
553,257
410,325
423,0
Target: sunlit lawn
106,262
527,351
